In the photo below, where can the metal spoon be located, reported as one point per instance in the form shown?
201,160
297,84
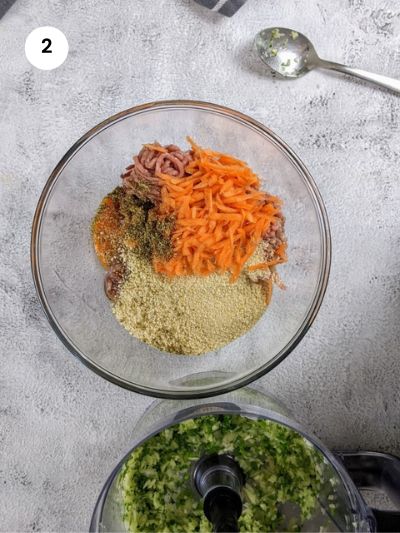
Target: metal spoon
290,54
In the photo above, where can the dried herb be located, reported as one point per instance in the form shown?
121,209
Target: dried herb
124,220
150,234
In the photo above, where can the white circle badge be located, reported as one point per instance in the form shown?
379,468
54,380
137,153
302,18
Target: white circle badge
46,48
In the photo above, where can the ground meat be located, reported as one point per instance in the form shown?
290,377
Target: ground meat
140,178
274,238
113,280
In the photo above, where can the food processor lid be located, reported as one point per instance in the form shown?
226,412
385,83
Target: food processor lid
338,504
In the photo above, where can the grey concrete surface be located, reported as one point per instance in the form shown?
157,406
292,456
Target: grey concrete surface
62,428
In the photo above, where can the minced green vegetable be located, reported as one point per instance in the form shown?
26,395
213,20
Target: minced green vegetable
280,467
276,34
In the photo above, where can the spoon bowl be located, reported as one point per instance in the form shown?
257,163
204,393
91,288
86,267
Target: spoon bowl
287,52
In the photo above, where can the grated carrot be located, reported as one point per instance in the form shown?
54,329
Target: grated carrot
221,216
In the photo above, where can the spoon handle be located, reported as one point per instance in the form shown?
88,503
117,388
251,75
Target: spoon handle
383,81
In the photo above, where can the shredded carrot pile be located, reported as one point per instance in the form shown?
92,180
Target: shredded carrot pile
221,216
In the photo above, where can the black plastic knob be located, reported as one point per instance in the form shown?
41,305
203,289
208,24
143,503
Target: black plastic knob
218,479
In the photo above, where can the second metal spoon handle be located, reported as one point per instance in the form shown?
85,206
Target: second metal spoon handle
383,81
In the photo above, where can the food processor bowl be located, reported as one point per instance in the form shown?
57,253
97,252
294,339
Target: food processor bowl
69,278
339,505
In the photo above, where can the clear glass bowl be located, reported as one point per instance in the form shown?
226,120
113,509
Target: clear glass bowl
69,279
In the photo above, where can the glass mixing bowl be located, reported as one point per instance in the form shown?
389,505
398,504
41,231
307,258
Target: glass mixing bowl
69,279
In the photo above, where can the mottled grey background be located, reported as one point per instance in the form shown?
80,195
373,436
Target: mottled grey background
61,427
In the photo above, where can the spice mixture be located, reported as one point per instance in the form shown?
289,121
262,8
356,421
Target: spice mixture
190,244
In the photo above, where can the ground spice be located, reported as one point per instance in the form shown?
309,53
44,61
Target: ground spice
187,315
123,219
149,233
107,229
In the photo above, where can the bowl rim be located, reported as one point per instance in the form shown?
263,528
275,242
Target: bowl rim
325,263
